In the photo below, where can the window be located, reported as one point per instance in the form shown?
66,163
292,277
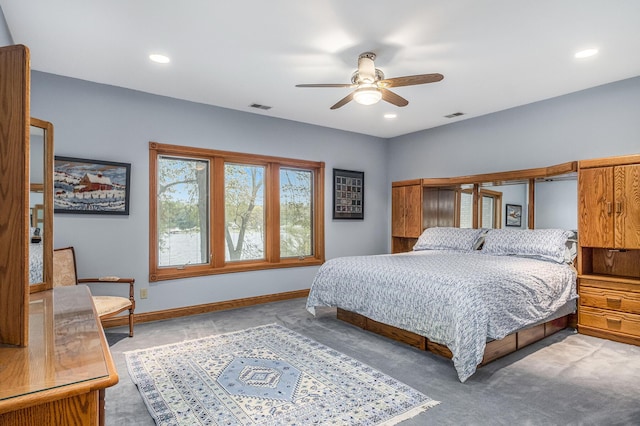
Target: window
183,211
466,209
488,208
244,212
296,213
215,212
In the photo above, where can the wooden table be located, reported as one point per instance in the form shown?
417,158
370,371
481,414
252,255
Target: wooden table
60,378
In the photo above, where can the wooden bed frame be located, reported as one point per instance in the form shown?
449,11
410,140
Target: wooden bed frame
494,350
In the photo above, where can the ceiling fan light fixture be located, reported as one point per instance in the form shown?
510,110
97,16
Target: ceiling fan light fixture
367,95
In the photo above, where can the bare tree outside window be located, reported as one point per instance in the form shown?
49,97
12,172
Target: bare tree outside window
296,213
244,211
215,212
183,211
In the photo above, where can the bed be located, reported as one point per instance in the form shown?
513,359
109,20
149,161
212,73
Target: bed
35,263
455,295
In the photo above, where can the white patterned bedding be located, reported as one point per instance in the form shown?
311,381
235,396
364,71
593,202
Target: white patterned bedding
35,263
456,299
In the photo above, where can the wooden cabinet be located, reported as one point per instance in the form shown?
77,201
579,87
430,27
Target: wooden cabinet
609,255
60,378
424,203
609,206
406,214
14,195
610,308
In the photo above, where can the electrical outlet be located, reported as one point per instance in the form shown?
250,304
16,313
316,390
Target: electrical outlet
144,293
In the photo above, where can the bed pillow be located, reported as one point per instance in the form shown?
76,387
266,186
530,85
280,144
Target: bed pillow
571,250
444,238
545,244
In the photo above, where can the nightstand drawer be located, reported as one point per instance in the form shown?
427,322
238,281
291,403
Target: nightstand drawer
610,299
610,320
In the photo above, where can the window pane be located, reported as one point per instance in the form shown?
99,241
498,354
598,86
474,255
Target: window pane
244,211
466,210
488,212
183,211
296,213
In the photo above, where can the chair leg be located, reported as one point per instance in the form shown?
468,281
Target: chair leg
130,322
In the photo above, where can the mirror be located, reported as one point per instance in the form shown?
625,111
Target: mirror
438,206
557,202
465,209
544,197
493,207
40,205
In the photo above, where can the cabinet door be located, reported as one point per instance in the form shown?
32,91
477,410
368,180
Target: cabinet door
413,211
397,211
406,211
595,207
627,206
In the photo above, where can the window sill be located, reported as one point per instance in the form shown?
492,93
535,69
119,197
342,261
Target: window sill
199,271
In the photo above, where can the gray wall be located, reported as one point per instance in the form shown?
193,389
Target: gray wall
115,124
110,123
5,34
599,122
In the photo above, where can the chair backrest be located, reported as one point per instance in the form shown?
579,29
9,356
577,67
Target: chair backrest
64,267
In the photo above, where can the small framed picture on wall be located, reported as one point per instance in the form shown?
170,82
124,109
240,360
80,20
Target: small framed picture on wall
348,194
514,215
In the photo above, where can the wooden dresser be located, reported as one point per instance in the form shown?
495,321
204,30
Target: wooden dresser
60,378
609,239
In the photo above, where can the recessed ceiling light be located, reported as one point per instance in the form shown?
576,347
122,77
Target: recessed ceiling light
161,59
585,53
390,115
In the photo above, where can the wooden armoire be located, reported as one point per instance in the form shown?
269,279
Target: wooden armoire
609,240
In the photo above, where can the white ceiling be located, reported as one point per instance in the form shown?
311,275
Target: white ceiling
494,54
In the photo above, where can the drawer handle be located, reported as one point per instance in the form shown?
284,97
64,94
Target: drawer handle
615,322
614,300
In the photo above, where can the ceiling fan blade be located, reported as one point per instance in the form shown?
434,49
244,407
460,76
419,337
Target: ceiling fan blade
410,80
343,101
392,98
326,85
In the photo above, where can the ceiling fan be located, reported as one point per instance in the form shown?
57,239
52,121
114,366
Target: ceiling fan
371,86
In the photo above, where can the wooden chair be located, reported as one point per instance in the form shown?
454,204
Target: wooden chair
65,273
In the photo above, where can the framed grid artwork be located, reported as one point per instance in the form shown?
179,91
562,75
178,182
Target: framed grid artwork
348,194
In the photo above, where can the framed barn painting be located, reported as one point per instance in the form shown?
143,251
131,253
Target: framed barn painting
348,194
90,186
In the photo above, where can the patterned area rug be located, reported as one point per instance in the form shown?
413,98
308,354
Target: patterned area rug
267,375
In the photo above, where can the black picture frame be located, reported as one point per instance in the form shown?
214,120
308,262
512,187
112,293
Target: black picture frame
348,194
83,186
513,215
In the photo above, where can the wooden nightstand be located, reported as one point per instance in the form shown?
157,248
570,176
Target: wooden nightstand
610,308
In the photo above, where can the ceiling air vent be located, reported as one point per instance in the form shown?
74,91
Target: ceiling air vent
264,107
455,114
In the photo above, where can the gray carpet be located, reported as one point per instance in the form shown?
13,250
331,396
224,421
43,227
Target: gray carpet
566,379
